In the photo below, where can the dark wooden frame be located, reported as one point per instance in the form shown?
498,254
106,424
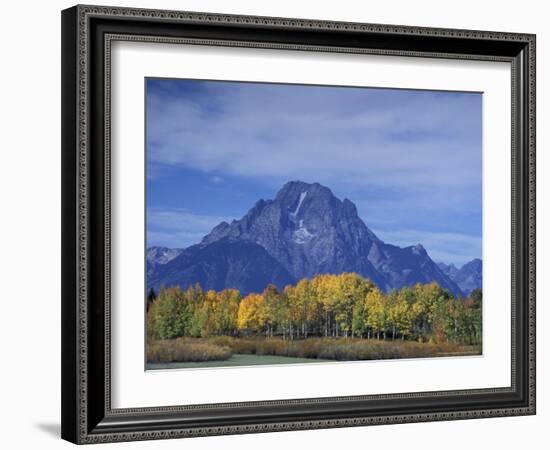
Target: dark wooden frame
87,32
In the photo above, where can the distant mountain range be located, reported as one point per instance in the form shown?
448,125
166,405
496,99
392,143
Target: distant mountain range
468,277
304,231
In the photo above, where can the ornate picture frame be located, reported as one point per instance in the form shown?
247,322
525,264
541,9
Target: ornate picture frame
88,33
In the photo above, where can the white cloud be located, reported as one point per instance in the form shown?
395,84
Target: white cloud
298,134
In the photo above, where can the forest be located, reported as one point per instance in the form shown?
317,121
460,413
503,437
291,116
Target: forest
333,317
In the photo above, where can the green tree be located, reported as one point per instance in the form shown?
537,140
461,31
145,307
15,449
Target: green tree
226,311
427,299
477,295
168,314
151,296
350,289
359,317
272,309
399,314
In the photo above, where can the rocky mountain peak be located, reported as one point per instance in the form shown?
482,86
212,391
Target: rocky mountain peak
298,199
419,249
306,230
474,265
293,189
468,277
448,269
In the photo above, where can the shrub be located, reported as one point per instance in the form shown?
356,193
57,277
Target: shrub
338,349
185,350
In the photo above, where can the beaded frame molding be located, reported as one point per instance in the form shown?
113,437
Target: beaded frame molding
87,35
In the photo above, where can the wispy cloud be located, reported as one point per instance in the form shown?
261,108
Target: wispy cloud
365,137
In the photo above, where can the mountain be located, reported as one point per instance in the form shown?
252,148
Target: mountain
305,230
160,255
448,269
222,264
468,277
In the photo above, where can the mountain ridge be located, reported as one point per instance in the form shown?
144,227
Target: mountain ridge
468,277
304,231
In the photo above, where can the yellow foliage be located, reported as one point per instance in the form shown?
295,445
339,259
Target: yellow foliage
251,315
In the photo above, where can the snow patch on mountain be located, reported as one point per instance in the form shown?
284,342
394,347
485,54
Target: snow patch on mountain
301,235
294,214
162,255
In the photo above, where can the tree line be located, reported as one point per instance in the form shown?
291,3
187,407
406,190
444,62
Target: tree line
344,305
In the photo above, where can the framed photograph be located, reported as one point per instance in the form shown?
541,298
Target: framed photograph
277,224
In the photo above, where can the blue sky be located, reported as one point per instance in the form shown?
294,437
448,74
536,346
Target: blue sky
410,160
